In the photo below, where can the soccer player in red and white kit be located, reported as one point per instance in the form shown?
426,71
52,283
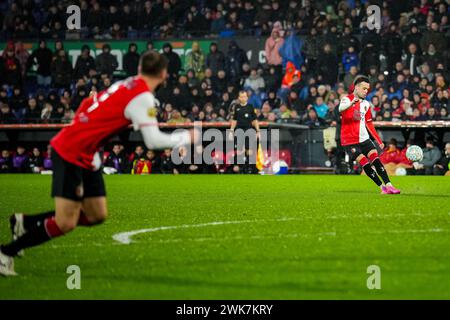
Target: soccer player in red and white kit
356,124
77,183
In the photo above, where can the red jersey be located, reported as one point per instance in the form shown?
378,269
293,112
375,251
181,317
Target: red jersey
356,122
97,120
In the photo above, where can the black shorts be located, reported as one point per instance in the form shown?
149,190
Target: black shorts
247,146
360,148
73,182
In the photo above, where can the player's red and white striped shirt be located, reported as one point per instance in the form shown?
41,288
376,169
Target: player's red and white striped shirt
356,121
104,115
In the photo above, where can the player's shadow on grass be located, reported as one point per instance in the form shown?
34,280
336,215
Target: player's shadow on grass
292,286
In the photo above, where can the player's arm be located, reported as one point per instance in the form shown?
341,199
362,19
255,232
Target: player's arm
346,103
141,112
371,128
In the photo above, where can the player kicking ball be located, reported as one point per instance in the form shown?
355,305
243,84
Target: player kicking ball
356,120
77,182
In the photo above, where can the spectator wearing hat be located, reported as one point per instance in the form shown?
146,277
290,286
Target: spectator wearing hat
215,60
328,65
84,63
42,57
392,46
413,36
61,70
106,63
434,36
10,67
174,66
273,45
234,60
131,60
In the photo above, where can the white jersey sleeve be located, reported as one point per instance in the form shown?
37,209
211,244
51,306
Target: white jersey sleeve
344,104
141,112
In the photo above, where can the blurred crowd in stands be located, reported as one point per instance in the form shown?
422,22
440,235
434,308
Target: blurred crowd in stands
407,61
144,161
118,161
313,51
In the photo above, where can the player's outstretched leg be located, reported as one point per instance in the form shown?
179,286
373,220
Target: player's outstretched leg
64,221
20,222
365,164
381,170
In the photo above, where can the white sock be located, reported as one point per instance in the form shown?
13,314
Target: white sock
388,184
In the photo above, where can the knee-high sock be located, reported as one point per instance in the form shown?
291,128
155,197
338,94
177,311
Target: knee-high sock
379,167
31,221
369,171
33,237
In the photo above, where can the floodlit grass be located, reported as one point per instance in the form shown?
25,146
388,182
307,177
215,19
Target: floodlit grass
279,237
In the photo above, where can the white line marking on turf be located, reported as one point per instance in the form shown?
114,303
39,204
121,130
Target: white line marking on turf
125,237
258,237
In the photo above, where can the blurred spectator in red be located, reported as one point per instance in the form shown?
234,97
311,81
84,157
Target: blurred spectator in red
138,153
11,70
291,73
22,55
392,153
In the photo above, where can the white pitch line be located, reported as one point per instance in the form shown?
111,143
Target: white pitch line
125,237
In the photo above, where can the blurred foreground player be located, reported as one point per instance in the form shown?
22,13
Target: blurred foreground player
356,123
77,182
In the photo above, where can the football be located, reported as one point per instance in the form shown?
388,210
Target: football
414,153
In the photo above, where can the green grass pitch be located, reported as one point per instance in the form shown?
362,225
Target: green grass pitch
277,237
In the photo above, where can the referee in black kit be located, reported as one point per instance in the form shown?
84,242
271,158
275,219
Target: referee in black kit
243,117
